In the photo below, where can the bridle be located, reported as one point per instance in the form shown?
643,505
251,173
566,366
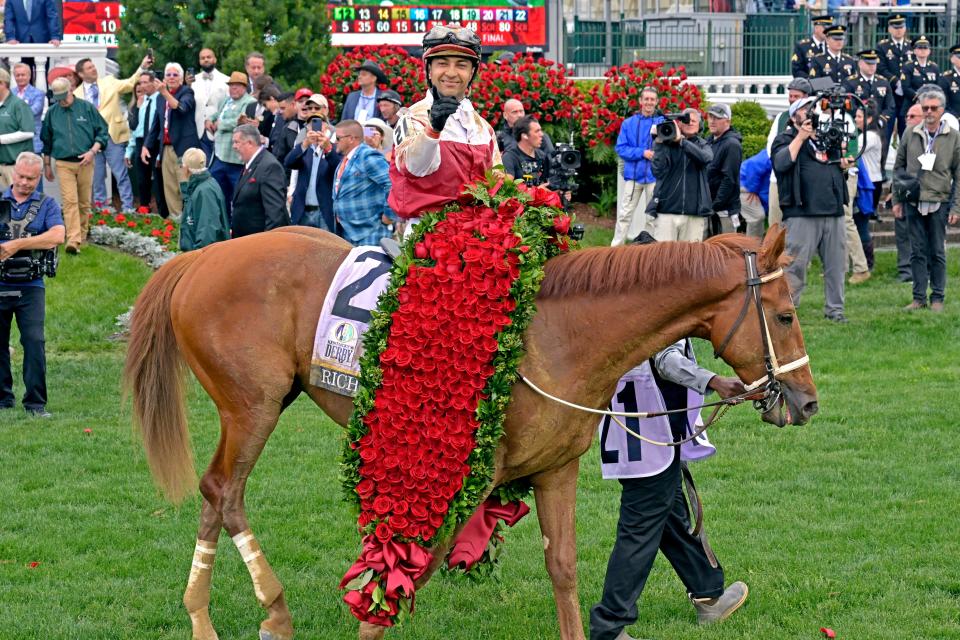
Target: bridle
769,386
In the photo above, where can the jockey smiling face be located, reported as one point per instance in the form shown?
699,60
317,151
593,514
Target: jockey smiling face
451,75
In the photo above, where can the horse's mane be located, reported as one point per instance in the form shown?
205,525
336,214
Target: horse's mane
602,270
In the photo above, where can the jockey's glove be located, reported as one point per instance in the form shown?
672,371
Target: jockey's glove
442,108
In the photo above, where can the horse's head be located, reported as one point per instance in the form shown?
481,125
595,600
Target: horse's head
759,354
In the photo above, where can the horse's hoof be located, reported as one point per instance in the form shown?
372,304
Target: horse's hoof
266,634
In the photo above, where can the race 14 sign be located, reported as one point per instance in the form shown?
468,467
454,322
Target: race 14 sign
501,24
95,22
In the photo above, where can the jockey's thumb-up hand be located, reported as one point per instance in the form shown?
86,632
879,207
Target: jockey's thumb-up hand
442,108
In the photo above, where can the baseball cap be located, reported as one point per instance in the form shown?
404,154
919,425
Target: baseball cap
318,99
302,93
720,111
59,88
800,84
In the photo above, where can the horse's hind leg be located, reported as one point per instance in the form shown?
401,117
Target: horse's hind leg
246,429
556,494
197,596
244,432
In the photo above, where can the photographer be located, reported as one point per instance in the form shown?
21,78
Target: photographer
526,160
681,200
29,221
812,195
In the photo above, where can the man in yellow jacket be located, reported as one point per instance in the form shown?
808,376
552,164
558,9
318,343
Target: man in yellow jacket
105,94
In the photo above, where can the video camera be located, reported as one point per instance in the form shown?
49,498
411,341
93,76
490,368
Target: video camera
564,164
667,130
832,117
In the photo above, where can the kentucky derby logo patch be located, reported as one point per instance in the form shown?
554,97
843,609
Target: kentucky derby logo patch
353,294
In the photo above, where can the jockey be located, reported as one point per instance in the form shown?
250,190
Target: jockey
442,143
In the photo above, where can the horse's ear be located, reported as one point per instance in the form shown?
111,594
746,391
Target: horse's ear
772,248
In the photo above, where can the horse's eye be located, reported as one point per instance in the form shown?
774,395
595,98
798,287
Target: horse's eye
785,318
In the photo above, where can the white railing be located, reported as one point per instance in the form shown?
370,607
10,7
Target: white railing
770,92
66,55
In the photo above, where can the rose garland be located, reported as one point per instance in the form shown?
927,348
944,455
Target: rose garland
440,359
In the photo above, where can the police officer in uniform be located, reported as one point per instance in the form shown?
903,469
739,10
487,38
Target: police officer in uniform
918,72
834,63
806,48
894,52
29,222
869,84
950,82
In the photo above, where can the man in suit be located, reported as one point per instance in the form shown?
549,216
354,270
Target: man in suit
104,93
316,159
145,116
255,64
32,21
209,90
361,105
173,131
361,185
259,202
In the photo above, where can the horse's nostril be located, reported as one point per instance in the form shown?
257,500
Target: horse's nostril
810,408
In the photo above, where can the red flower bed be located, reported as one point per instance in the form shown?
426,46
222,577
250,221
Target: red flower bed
141,221
541,85
404,71
608,104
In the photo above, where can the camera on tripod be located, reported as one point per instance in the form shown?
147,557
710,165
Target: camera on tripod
667,130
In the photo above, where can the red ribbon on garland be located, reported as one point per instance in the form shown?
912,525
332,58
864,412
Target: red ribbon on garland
471,543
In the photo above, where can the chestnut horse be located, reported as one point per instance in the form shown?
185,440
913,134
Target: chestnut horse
242,315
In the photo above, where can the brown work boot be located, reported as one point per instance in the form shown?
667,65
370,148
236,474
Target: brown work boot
936,306
859,278
915,306
710,610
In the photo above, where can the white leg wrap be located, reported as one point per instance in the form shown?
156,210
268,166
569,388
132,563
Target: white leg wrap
265,584
197,596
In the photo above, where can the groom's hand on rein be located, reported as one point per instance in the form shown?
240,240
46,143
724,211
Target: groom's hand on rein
726,387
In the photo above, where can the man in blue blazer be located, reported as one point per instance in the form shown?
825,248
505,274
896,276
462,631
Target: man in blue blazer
361,185
316,159
41,25
361,105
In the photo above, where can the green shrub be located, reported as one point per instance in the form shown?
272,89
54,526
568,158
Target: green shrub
749,118
752,144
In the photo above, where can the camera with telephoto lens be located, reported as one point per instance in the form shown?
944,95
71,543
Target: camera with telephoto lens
667,130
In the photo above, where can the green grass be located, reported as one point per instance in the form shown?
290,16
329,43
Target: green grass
847,523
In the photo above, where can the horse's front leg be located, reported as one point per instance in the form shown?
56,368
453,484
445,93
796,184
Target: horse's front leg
556,494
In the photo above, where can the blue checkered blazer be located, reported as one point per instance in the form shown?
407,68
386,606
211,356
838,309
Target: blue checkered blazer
361,197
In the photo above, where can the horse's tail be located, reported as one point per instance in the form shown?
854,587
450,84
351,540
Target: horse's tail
154,376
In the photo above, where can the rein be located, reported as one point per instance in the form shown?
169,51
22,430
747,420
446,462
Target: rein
769,386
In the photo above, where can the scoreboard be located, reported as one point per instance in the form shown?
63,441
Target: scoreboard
514,25
94,22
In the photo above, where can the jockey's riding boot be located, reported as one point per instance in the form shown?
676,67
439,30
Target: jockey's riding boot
711,610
